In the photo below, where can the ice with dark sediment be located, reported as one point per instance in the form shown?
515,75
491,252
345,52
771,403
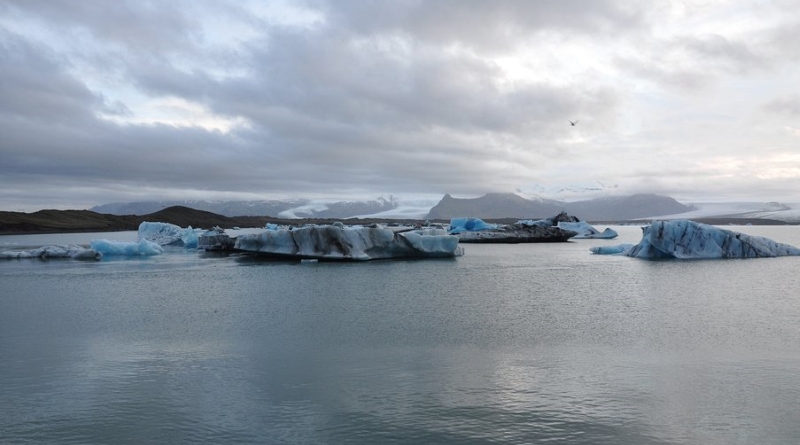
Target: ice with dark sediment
339,242
585,230
475,230
684,239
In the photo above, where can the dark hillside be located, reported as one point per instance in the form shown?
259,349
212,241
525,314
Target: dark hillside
53,221
65,221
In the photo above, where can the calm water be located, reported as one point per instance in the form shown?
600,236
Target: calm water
508,344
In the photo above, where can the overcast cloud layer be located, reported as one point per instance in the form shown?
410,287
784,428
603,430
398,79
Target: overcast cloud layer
147,100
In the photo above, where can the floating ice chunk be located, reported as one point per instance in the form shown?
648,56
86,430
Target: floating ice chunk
141,248
612,250
691,240
459,225
49,252
166,234
535,222
585,230
337,242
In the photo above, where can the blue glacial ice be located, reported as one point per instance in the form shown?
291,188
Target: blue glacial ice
460,225
585,230
338,242
121,248
684,239
166,234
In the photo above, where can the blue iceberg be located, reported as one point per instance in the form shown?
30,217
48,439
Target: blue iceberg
121,248
460,225
683,239
166,234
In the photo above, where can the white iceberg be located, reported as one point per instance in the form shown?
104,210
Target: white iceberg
685,239
74,252
337,242
120,248
166,234
585,230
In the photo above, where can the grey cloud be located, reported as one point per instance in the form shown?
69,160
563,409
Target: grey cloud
143,25
35,85
789,105
488,26
400,94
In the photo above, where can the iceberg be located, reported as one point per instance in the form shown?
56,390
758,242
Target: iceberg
51,252
585,230
474,230
612,250
166,234
338,242
120,248
460,225
684,239
215,240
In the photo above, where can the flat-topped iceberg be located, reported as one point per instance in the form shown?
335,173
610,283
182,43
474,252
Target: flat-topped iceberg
685,239
98,248
72,251
338,242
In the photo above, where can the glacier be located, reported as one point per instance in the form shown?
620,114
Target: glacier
685,239
339,242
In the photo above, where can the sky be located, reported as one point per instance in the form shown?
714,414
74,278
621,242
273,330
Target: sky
122,101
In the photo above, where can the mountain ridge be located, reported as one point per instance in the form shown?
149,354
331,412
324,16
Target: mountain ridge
510,205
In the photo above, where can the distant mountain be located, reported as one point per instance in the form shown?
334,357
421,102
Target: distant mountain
226,208
292,208
66,221
509,205
494,205
626,207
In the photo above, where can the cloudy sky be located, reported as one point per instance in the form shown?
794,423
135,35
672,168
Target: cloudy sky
146,100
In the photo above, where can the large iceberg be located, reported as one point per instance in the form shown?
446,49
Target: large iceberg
338,242
685,239
166,234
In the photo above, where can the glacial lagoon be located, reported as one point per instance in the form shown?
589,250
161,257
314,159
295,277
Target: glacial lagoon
507,344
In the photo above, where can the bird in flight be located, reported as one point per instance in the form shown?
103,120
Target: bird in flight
573,123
